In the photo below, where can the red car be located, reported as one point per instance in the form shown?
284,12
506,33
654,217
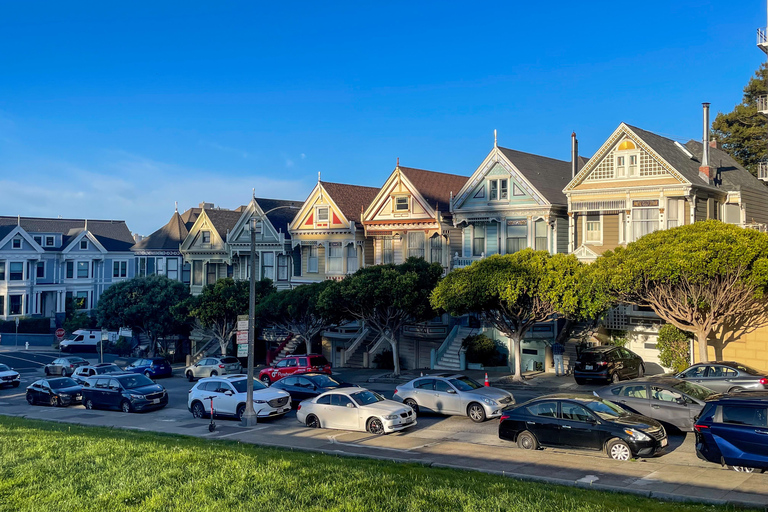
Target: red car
295,364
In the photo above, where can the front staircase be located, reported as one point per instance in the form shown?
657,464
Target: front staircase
448,353
286,348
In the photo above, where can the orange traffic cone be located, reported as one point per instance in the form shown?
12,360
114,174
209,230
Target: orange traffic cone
487,384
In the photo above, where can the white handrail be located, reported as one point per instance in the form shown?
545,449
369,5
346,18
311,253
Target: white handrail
379,340
353,347
447,343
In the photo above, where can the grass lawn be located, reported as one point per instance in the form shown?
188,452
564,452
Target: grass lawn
59,467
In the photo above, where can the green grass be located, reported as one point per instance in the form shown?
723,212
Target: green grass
59,467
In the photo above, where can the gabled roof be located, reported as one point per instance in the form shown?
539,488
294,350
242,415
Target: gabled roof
190,216
547,175
435,187
223,220
113,235
351,199
168,237
281,217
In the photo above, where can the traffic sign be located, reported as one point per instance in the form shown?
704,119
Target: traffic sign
60,333
242,325
242,337
242,350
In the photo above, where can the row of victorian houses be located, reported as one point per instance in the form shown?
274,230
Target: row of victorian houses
636,183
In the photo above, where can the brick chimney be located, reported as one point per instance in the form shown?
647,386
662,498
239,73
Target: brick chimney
705,171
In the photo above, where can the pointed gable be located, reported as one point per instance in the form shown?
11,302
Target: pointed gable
350,199
435,187
169,237
113,235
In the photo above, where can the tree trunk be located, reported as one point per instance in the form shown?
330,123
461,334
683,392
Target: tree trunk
517,368
701,339
308,344
223,343
565,333
395,355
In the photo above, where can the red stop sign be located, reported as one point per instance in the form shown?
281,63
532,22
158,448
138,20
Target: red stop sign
59,333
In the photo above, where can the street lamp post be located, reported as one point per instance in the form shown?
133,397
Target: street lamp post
250,417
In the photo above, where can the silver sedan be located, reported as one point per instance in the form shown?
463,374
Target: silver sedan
726,376
454,394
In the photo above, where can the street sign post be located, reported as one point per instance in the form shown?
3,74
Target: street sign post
242,322
242,350
242,337
104,337
16,341
60,334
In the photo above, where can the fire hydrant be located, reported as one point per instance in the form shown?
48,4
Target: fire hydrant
26,345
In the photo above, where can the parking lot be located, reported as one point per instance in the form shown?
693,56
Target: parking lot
436,440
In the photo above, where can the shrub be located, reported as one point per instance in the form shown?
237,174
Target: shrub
483,350
674,347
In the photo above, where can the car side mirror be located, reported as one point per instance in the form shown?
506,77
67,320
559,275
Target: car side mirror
351,406
229,392
452,391
681,401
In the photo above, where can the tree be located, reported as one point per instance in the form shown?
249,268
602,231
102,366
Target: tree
216,309
298,311
147,305
74,316
674,347
742,132
513,292
699,278
385,297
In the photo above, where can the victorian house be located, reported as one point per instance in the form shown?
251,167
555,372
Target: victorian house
44,261
327,234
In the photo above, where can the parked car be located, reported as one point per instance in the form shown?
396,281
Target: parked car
85,340
733,431
9,376
65,366
726,376
82,373
607,363
290,365
230,396
56,392
128,392
151,368
213,366
582,421
355,409
308,385
663,398
453,394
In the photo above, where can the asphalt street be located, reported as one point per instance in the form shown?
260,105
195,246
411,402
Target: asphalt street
436,440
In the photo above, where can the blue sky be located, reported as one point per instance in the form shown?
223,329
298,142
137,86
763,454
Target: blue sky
116,110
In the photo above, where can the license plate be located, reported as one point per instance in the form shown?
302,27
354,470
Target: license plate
588,367
156,401
663,442
409,420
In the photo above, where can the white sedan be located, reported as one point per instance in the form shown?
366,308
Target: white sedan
355,409
9,376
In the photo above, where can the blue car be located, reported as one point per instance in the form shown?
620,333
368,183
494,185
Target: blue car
732,430
152,367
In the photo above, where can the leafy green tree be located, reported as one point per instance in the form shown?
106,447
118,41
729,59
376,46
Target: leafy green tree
216,309
513,292
674,347
298,311
74,316
147,305
698,277
385,297
742,132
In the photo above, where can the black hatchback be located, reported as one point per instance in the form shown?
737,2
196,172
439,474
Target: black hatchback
308,385
608,363
127,392
582,421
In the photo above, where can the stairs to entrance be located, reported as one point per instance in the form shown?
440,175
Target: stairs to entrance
287,349
448,354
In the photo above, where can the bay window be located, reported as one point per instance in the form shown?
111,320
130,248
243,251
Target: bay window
593,228
478,240
387,251
351,258
517,235
644,221
268,266
416,244
436,249
312,258
540,232
335,257
282,267
16,271
173,268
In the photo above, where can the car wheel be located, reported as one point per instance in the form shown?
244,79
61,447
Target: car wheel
640,371
580,381
375,426
618,450
476,412
198,410
240,411
125,406
410,402
527,441
88,404
614,379
63,372
214,373
30,399
265,380
55,401
190,377
736,389
47,371
312,421
148,375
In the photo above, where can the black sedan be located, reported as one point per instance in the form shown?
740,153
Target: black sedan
582,421
56,392
663,398
308,385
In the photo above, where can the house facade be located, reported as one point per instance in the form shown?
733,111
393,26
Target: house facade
327,234
45,261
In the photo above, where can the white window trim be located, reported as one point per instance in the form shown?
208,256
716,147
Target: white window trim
53,241
13,243
498,189
202,237
113,269
600,223
631,234
45,272
23,271
76,274
327,215
310,269
407,202
84,241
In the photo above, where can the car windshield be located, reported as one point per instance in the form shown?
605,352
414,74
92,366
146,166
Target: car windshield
465,384
4,368
135,381
241,386
694,390
323,381
748,370
605,410
62,383
108,369
366,397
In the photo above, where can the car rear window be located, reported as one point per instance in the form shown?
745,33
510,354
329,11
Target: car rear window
318,360
749,371
229,360
744,415
591,357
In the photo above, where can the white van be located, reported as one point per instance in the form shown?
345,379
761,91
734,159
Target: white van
83,340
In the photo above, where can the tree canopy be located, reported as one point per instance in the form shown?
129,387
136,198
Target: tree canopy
515,291
742,132
216,309
298,311
699,277
146,305
386,297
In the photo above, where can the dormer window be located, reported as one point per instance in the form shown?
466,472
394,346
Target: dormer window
206,237
84,245
498,190
49,241
16,244
401,204
38,240
621,170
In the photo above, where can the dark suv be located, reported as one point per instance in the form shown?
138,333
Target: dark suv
608,363
128,392
733,431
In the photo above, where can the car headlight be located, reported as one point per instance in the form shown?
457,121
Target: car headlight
259,401
636,434
137,397
490,402
391,417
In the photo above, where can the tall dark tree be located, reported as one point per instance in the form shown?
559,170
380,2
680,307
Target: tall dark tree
743,132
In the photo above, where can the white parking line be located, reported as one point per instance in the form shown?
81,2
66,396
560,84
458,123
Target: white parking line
333,440
235,433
